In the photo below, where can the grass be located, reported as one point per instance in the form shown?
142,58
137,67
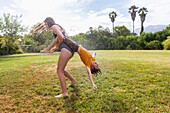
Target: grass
131,81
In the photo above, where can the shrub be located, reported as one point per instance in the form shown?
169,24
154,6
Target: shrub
18,51
154,45
39,48
128,47
166,43
2,51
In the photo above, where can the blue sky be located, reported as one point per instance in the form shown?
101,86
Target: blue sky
78,15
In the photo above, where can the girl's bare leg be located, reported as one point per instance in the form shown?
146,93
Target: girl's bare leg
65,56
73,81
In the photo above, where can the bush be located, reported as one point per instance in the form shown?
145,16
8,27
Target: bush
166,43
28,48
2,51
18,51
39,48
128,47
132,43
154,45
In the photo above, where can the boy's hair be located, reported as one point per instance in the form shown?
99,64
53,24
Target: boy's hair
50,21
95,71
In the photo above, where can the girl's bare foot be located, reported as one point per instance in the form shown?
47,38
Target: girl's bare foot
72,83
62,95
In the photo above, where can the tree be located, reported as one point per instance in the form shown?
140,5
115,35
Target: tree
91,36
111,43
142,14
122,31
112,16
34,42
132,43
80,39
12,30
166,43
141,41
132,11
153,45
162,35
121,43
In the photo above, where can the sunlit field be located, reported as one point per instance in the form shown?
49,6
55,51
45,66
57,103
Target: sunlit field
131,81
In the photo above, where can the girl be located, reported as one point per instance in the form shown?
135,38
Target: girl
68,47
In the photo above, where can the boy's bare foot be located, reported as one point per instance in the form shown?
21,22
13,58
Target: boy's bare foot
62,95
72,83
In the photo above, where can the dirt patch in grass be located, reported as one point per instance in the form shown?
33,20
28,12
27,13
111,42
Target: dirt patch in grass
74,65
44,68
4,97
51,68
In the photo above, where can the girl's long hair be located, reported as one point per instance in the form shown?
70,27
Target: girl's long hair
95,71
50,21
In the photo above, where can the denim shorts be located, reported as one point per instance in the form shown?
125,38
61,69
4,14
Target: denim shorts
63,45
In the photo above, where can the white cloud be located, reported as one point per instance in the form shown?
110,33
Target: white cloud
68,13
35,11
6,9
94,19
13,6
71,14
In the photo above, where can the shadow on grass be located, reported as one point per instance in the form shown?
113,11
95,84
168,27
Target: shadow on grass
79,101
74,97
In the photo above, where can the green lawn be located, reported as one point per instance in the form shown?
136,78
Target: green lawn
131,81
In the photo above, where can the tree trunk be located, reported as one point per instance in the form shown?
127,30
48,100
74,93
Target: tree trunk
142,28
133,28
113,26
7,49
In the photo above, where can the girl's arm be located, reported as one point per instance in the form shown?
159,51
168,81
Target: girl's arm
91,79
58,39
55,48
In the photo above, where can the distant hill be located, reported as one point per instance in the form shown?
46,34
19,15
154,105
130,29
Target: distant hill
152,28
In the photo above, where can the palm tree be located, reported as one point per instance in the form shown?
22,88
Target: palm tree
142,14
132,11
112,16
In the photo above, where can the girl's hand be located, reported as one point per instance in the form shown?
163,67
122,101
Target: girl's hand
53,49
45,51
95,88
